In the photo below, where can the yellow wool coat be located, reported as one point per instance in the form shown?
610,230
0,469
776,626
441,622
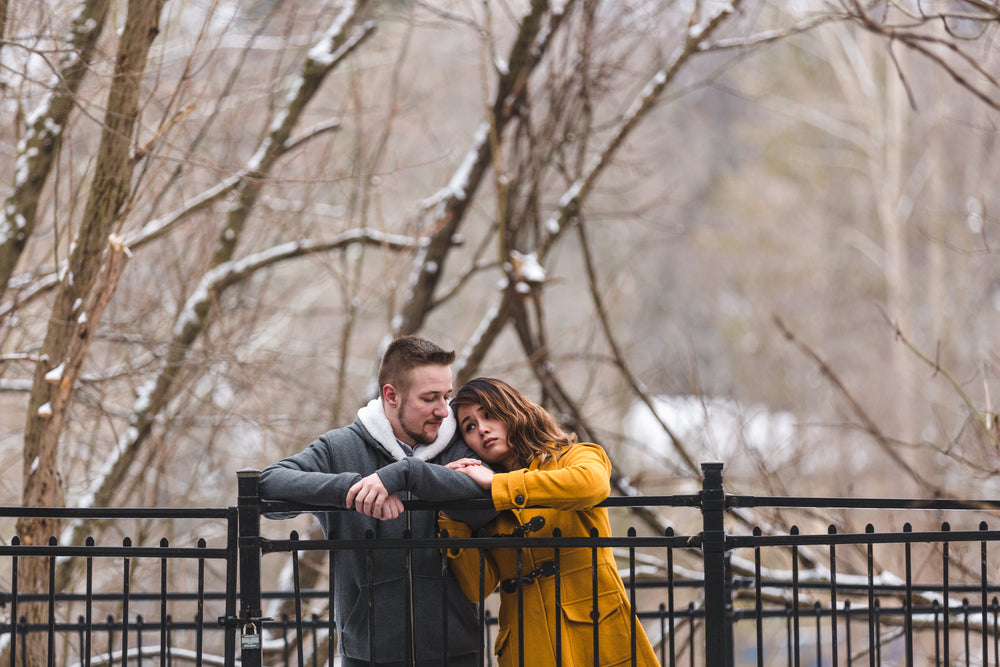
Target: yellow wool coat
571,485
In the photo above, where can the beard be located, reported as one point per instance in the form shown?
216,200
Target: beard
420,432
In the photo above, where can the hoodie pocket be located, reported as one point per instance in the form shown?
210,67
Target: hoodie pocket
385,617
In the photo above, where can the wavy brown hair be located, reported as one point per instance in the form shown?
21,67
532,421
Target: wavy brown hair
531,431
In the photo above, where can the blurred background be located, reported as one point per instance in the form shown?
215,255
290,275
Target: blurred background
756,232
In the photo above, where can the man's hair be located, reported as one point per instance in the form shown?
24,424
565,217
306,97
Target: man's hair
406,353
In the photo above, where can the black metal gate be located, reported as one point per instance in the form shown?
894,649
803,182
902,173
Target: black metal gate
744,594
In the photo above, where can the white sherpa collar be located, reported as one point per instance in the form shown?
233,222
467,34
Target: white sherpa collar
374,419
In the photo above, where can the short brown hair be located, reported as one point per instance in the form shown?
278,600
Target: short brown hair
406,353
531,430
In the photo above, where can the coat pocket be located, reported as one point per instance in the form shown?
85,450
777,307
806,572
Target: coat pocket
503,634
612,627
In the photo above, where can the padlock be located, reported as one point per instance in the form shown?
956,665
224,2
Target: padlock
250,640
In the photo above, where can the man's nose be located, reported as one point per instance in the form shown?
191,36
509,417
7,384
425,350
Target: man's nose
441,408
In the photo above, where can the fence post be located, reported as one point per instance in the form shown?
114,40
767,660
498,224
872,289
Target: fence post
718,589
249,545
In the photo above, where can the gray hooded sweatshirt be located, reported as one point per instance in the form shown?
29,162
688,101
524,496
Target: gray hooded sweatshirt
443,619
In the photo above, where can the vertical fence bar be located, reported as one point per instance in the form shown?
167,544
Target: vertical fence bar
297,593
718,606
126,592
690,641
110,623
556,558
796,634
14,541
199,616
758,606
935,608
332,640
871,598
248,502
89,606
444,605
908,602
520,607
52,606
232,560
983,595
164,643
946,595
595,614
138,640
832,530
847,630
818,610
483,613
631,587
670,603
370,579
965,629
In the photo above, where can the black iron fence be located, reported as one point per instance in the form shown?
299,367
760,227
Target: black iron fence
728,589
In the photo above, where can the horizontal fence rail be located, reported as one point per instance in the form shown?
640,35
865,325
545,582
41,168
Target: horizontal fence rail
104,604
732,590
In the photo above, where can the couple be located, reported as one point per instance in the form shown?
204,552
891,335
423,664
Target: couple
407,441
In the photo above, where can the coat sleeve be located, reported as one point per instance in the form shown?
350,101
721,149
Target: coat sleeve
464,563
579,480
311,476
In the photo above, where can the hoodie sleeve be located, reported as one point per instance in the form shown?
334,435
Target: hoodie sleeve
312,476
429,481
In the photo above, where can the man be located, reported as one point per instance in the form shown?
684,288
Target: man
397,436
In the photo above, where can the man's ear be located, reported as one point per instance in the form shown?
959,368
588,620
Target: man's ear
390,396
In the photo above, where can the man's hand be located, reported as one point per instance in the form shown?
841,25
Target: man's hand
369,496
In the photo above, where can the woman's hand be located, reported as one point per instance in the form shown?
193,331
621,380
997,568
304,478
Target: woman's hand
475,469
464,463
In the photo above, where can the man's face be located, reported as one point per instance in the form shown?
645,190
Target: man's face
424,405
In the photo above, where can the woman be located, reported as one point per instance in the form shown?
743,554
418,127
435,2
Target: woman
532,462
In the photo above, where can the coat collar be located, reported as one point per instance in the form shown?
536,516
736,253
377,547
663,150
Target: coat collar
372,417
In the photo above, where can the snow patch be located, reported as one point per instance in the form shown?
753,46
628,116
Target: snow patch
715,428
55,376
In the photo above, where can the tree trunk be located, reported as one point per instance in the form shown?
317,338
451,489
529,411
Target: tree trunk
80,291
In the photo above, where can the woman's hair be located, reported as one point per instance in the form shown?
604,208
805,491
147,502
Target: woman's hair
531,430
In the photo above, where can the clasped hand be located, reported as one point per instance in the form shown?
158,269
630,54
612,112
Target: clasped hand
369,496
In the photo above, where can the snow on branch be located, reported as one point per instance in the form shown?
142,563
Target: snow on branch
154,394
37,149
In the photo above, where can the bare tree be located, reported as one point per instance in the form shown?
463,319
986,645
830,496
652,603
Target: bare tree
583,196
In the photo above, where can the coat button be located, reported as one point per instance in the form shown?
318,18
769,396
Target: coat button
519,499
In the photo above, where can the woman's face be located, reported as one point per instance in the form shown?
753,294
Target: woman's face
486,436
